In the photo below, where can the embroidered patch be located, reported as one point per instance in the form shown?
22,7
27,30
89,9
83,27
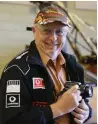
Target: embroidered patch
38,83
13,86
12,100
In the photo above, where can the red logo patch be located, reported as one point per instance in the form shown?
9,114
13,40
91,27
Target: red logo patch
38,83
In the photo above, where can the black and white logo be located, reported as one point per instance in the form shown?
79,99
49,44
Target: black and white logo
12,100
13,86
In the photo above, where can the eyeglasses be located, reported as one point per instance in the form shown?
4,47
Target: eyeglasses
49,32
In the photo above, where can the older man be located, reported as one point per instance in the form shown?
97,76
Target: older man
31,82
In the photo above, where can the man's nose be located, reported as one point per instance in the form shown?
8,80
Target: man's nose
53,36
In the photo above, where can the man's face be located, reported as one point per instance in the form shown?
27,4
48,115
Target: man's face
50,38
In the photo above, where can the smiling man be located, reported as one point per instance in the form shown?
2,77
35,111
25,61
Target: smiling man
31,82
50,38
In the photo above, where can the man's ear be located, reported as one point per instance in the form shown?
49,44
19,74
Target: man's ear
33,29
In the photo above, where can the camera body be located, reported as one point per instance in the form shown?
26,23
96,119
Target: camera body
85,89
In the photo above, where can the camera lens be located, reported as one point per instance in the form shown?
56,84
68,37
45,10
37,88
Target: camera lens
86,91
89,91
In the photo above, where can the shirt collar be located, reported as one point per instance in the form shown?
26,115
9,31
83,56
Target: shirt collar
61,59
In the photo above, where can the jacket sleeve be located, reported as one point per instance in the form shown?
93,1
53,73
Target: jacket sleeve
80,72
16,103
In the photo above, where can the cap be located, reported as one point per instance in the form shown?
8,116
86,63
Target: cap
51,14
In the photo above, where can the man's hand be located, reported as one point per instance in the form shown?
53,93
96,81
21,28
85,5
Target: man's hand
81,112
67,102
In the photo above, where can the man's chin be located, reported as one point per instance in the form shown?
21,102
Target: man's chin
53,55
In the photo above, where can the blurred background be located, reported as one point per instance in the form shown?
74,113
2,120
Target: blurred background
16,20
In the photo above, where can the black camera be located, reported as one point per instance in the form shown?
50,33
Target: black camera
85,89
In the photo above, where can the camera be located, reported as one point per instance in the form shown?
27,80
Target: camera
85,89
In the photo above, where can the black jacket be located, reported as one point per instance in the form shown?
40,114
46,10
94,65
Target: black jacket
27,90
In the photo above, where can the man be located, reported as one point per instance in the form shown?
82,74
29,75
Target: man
31,82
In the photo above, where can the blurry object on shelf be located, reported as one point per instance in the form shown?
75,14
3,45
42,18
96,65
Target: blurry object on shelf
89,63
92,68
88,59
29,28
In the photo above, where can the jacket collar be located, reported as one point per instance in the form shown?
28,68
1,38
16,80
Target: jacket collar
33,55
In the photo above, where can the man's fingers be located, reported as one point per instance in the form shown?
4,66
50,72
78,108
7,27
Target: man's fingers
77,115
79,110
79,98
78,121
83,105
74,88
75,92
77,95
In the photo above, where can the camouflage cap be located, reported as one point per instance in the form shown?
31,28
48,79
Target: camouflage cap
51,14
